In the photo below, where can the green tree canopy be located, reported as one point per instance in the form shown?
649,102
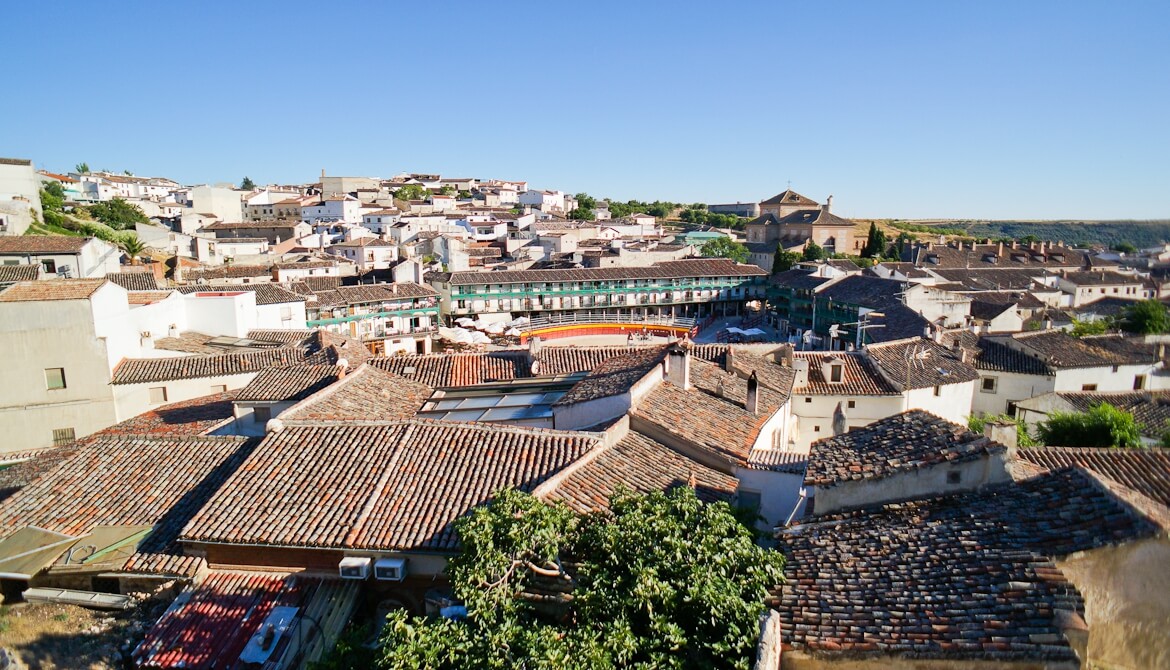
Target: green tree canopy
813,252
448,190
784,260
52,199
82,168
724,247
131,246
875,242
664,581
1102,426
412,192
582,214
585,201
118,214
1082,328
247,184
1147,317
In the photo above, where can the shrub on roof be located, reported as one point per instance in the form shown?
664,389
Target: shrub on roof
1102,426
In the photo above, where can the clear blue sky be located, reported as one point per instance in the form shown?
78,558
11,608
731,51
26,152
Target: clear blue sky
907,109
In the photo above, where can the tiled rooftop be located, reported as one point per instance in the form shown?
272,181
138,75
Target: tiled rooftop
615,375
858,376
1146,471
919,363
126,480
266,293
10,274
134,281
995,356
961,577
900,443
365,394
720,426
1061,350
295,382
1151,409
51,289
709,267
377,485
447,370
189,417
640,464
42,244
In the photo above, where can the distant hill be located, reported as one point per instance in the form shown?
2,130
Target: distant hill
1138,233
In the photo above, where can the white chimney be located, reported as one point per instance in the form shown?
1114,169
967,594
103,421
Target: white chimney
678,368
829,204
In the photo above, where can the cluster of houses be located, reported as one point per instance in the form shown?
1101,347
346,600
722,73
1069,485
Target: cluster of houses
265,415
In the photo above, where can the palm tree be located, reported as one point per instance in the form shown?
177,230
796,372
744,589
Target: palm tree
132,247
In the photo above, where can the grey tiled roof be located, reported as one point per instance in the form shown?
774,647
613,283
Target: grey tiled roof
42,244
960,577
900,443
1061,350
995,356
920,363
615,375
872,292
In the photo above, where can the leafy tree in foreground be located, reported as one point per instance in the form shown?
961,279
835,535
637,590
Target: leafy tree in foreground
118,213
724,247
1147,317
247,184
1102,426
664,581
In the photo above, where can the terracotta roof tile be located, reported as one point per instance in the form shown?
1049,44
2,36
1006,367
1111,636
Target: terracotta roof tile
266,293
52,289
42,244
858,375
720,426
294,383
996,356
615,376
365,394
395,486
126,480
1146,471
642,465
449,370
134,281
189,417
10,274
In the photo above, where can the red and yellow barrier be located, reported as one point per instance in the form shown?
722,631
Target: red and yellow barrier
580,329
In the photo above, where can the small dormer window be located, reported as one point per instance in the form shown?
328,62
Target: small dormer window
836,371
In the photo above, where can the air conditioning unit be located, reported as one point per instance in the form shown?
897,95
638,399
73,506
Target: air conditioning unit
390,569
353,567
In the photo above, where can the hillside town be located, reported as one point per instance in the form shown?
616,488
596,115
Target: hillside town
272,408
